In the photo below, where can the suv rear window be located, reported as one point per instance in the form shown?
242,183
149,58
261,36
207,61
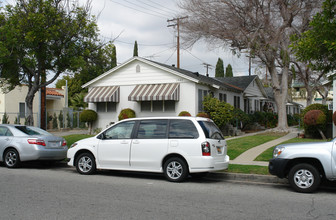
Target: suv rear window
211,130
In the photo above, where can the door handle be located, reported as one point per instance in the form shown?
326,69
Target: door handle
7,139
136,142
124,142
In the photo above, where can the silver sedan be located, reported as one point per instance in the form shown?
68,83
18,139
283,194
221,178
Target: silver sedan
26,143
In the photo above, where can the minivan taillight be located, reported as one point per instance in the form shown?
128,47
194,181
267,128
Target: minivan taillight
36,141
206,149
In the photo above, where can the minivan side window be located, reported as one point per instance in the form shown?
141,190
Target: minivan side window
120,131
152,129
182,129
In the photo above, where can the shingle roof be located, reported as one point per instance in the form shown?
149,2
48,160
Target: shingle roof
240,81
201,78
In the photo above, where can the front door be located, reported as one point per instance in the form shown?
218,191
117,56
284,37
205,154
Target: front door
114,148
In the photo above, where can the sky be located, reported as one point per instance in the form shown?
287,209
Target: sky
145,21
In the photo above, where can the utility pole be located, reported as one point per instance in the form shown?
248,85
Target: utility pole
177,24
207,66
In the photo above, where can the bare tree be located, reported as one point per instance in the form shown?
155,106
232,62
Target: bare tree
259,27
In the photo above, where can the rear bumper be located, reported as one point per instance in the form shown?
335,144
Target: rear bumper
208,164
46,154
277,167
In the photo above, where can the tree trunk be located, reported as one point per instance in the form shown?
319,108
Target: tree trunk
309,96
29,104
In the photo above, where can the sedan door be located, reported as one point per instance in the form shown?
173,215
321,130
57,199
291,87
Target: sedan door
114,148
6,138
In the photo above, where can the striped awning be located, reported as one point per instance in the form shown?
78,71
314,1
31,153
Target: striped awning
155,92
103,94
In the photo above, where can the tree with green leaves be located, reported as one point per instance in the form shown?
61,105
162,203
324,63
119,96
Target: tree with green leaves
42,39
135,50
219,72
228,71
318,44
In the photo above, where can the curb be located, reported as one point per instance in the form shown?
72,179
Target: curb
252,178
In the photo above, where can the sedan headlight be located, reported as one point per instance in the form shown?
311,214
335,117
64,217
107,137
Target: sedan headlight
73,145
277,151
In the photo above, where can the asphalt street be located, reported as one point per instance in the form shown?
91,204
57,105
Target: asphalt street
59,192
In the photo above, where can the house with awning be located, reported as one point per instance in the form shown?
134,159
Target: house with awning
154,89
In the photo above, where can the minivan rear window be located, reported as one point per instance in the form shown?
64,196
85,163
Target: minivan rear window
211,130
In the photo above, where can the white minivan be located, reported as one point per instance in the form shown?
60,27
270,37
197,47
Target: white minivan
176,146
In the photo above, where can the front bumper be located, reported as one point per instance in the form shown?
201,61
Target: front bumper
277,167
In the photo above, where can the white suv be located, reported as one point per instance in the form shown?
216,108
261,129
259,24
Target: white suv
176,146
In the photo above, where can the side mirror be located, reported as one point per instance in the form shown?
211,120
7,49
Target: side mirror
101,136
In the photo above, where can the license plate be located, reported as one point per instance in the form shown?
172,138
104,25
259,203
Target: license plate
219,150
53,144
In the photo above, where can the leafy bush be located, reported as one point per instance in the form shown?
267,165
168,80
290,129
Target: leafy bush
54,121
126,113
220,112
311,130
315,119
5,118
60,119
203,114
184,113
239,115
88,116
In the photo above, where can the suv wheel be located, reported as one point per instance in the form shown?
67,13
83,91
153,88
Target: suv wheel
175,169
86,164
12,158
304,178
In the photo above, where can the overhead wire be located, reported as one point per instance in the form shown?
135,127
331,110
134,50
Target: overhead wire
156,7
161,6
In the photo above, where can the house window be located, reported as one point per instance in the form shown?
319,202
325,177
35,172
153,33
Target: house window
158,106
236,101
22,109
201,96
222,97
106,106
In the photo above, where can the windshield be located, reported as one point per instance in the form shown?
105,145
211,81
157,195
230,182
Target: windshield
211,130
32,130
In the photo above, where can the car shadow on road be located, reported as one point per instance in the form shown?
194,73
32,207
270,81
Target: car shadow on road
43,165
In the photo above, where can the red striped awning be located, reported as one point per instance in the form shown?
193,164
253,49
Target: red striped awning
103,94
155,92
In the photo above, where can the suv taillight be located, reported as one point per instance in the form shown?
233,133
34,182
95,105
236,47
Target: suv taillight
36,141
206,149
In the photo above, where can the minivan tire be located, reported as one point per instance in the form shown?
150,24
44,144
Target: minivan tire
86,164
304,178
175,169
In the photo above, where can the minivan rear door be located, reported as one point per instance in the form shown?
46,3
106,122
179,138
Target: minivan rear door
149,145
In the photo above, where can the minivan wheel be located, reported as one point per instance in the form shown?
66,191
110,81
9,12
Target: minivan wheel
304,178
12,158
86,164
175,169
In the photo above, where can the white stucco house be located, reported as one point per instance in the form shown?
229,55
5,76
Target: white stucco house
154,89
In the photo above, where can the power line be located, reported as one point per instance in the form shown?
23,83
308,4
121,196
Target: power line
140,6
137,9
132,43
161,6
153,6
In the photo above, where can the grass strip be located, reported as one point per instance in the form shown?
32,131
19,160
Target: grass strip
239,145
70,139
268,154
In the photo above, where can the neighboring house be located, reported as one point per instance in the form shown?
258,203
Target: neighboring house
14,105
253,91
154,89
291,107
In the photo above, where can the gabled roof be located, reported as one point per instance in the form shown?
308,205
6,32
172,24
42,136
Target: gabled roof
192,76
243,82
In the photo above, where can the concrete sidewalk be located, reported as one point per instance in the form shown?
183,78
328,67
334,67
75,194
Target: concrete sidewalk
248,157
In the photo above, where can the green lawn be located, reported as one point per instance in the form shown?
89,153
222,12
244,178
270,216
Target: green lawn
268,154
70,139
240,145
247,169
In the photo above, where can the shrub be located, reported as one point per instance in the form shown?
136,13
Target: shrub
240,116
60,119
220,112
88,116
54,122
334,118
126,113
5,118
310,130
315,119
184,113
203,114
16,121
